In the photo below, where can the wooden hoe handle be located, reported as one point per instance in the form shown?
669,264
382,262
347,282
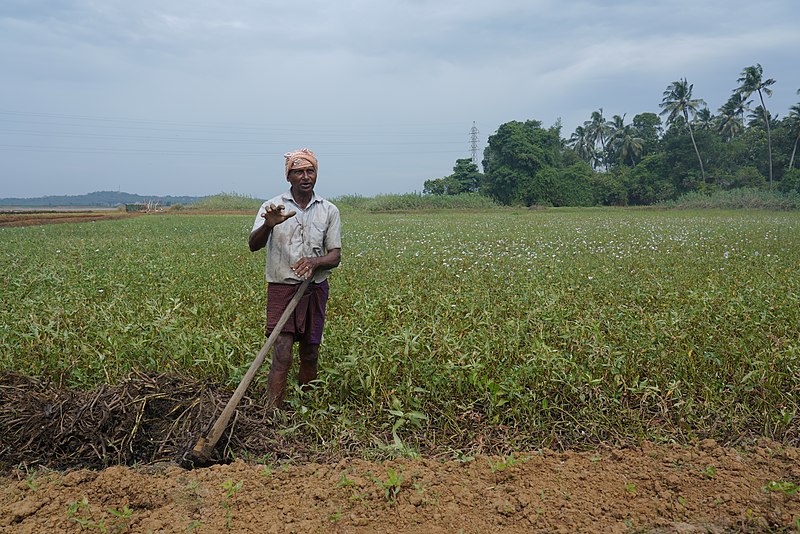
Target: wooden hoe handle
205,445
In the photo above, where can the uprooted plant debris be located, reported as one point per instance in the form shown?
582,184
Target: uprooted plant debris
144,419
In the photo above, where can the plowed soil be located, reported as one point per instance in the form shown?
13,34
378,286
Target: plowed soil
701,487
56,216
69,462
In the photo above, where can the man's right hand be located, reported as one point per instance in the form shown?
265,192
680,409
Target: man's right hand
274,215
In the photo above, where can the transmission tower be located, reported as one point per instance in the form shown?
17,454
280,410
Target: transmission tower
473,143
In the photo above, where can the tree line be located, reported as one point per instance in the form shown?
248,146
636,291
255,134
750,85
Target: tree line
653,158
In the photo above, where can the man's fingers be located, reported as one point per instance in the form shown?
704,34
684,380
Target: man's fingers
291,214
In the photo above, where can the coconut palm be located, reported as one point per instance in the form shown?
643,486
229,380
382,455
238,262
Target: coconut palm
598,129
755,119
794,128
623,142
678,102
704,119
729,121
752,81
580,143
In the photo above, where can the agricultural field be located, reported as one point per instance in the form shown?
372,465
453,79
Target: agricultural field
450,335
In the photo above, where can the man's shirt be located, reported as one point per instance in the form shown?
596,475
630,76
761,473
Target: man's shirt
312,232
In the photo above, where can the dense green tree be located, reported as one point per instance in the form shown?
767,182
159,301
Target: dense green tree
790,181
648,182
564,186
678,102
513,158
608,188
747,177
752,81
465,179
648,128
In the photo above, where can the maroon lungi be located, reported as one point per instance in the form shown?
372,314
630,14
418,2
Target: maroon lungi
308,319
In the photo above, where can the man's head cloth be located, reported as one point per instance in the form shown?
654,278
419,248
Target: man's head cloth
300,159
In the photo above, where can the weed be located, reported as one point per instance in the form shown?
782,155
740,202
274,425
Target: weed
505,463
391,486
230,490
710,472
123,517
30,481
81,513
630,487
345,482
785,487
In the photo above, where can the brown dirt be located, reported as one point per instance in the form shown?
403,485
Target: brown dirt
698,488
33,218
149,420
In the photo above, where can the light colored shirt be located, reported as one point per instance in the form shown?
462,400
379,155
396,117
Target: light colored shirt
312,232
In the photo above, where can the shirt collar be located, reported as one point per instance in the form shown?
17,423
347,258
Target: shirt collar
288,196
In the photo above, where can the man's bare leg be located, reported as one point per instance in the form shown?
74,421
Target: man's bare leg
279,370
309,356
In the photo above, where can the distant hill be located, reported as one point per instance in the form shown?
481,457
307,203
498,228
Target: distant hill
100,199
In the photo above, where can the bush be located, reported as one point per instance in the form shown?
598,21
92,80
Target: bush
415,201
227,202
790,181
743,198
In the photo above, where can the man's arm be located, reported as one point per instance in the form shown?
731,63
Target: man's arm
259,236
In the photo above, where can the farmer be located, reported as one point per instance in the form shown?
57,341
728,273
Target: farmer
303,236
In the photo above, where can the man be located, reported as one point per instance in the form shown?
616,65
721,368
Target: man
304,242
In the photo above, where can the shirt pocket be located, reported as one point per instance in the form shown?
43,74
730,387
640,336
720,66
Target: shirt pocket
316,238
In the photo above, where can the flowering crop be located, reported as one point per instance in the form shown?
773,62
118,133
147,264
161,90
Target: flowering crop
446,332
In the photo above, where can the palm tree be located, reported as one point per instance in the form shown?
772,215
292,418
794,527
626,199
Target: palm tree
729,122
794,127
756,117
704,119
678,102
598,129
616,127
752,81
623,142
580,143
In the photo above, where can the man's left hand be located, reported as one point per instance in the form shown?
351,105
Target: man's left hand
305,267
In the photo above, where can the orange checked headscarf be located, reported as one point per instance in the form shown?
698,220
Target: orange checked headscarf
300,159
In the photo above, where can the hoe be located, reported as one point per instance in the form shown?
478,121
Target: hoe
202,453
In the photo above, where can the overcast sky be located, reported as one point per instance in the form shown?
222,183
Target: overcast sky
197,97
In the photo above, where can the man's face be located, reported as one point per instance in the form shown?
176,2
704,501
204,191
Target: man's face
303,180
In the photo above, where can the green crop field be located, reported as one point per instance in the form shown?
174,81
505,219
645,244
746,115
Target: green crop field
506,328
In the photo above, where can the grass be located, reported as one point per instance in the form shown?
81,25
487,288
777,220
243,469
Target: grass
415,202
225,202
509,328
